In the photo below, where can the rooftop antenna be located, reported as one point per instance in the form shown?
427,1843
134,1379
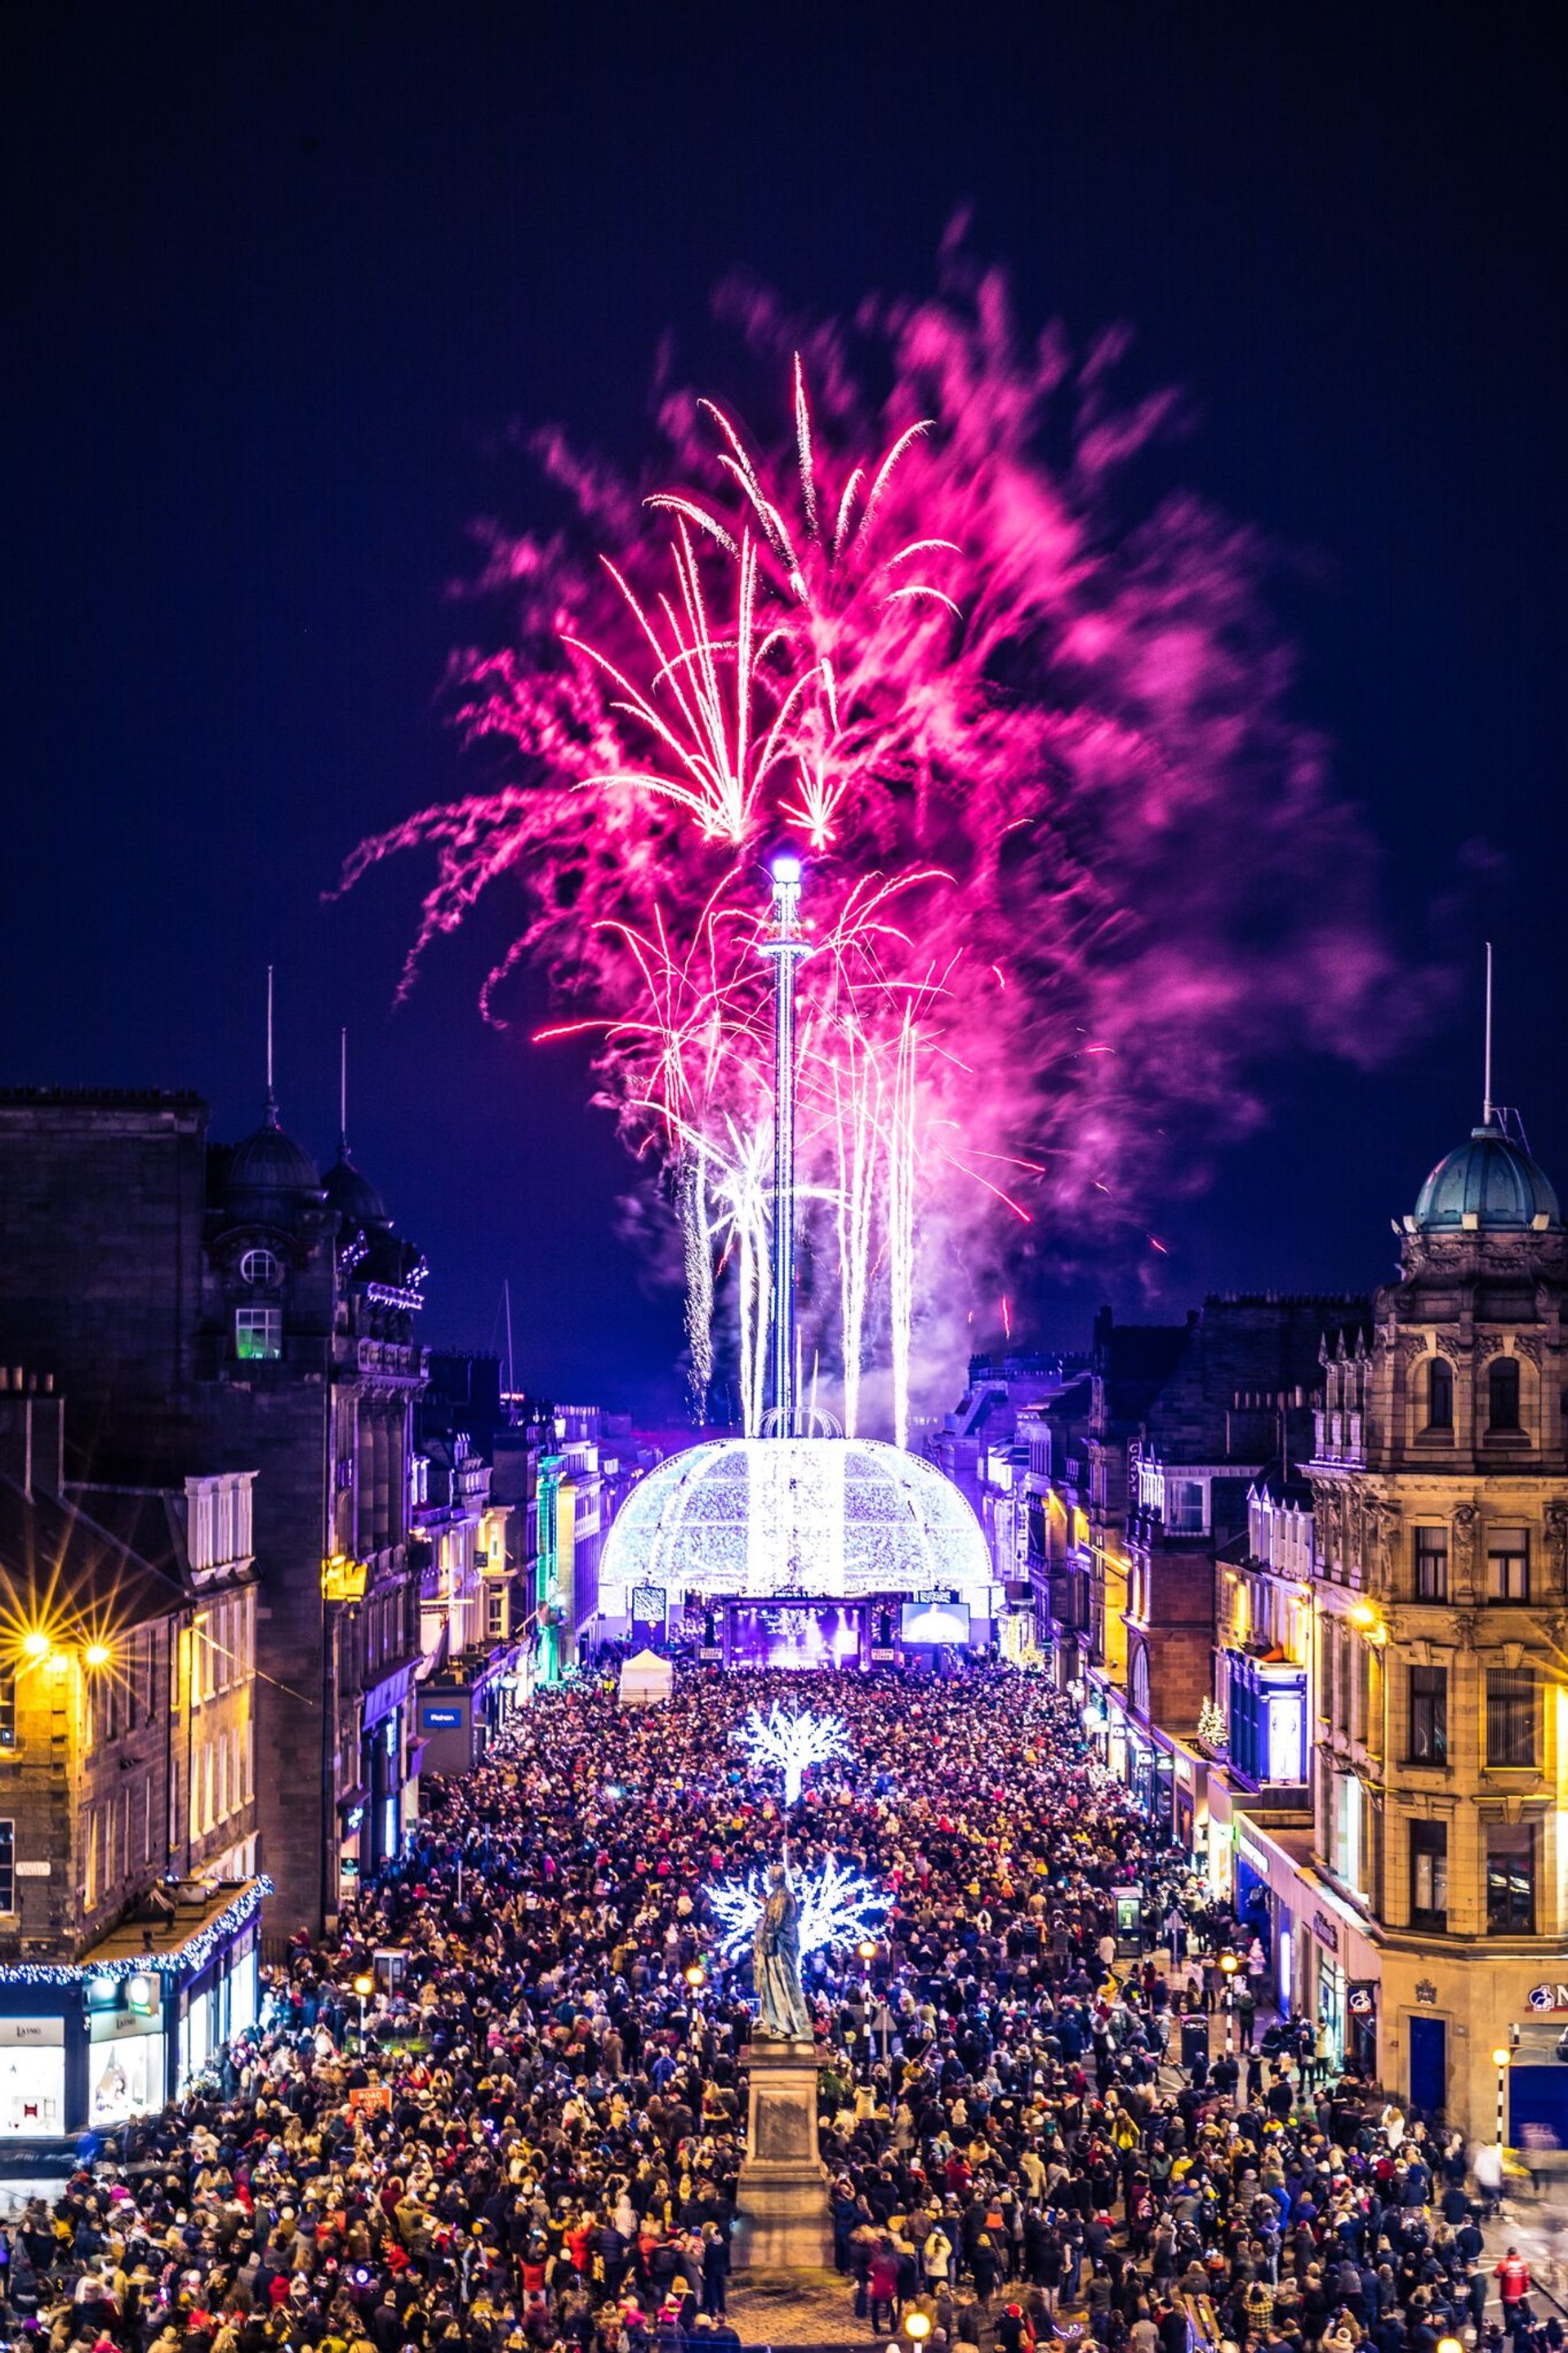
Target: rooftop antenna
271,1098
1487,1106
510,1368
342,1093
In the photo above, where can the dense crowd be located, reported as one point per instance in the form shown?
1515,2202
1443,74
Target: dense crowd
537,2142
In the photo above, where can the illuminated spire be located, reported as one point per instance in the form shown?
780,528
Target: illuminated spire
787,948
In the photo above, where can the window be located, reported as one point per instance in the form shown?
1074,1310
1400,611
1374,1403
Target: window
260,1270
495,1607
7,1710
1508,1565
7,1866
1502,1393
1439,1394
1429,1875
258,1335
1511,1716
1186,1506
1511,1879
1431,1564
1428,1715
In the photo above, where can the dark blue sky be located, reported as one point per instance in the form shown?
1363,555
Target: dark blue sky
279,280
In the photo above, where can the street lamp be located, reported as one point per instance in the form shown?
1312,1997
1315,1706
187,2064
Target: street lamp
917,2327
697,1976
1228,1964
365,1986
1501,2057
1449,2345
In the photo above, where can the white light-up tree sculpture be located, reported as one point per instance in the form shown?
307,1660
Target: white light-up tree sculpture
792,1738
837,1908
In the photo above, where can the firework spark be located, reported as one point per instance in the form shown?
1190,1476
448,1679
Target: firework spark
1076,869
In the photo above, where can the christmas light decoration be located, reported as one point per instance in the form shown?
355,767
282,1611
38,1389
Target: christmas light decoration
837,1908
792,1738
185,1960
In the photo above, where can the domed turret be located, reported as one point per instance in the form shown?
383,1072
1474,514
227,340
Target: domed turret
270,1176
352,1196
1488,1185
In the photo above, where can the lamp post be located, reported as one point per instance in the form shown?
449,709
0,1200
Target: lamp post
364,1986
1501,2057
917,2327
867,1951
1228,1966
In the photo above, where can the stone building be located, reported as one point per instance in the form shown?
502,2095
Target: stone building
228,1308
1440,1476
128,1887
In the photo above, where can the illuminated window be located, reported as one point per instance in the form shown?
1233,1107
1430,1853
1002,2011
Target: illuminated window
1431,1564
1511,1716
1428,1715
1502,1393
7,1710
1439,1394
258,1335
1508,1565
261,1270
7,1866
1429,1875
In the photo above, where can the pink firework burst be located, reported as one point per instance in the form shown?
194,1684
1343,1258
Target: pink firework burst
1074,866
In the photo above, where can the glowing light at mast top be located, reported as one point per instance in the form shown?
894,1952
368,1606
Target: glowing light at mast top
788,949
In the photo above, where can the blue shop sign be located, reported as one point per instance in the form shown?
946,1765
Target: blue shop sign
443,1719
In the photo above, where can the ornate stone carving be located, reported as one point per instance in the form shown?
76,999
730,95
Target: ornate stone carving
1526,1345
1557,1540
1449,1344
1467,1521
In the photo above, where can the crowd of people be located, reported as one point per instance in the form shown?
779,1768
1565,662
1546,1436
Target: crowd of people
535,2146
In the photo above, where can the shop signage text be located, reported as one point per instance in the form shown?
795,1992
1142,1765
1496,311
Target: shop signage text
1326,1931
1547,1996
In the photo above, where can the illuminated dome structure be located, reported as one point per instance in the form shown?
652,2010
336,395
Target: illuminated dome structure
832,1519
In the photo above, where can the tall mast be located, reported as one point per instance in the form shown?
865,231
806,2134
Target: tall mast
1487,1060
787,948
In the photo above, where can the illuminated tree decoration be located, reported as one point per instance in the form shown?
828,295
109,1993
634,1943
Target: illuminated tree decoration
837,1908
792,1738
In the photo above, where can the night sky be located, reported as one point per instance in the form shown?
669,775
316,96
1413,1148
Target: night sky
284,285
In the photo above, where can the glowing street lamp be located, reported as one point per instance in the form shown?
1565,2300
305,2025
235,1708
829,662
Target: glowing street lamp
697,1976
917,2327
365,1986
1229,1963
35,1645
98,1654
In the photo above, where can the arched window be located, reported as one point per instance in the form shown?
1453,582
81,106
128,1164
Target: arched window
1138,1682
1439,1394
1502,1393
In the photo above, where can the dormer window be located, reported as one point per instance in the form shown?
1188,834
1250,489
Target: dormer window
258,1335
1502,1393
261,1270
1439,1394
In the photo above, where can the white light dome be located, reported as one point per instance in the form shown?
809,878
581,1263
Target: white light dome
832,1516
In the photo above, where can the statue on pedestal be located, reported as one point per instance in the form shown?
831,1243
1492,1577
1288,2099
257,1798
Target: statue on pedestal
775,1960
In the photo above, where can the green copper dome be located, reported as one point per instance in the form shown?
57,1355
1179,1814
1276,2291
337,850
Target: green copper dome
1490,1184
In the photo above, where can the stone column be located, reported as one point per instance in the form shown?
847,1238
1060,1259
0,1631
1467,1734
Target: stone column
782,2222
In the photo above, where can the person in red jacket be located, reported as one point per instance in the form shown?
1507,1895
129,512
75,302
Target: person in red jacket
1512,2276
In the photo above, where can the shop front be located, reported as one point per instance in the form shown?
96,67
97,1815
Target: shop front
1345,1980
86,2045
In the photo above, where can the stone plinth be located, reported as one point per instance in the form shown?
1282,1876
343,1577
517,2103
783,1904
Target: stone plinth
781,2223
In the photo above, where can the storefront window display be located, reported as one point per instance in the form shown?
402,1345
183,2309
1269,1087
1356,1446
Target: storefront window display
32,2080
125,2068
